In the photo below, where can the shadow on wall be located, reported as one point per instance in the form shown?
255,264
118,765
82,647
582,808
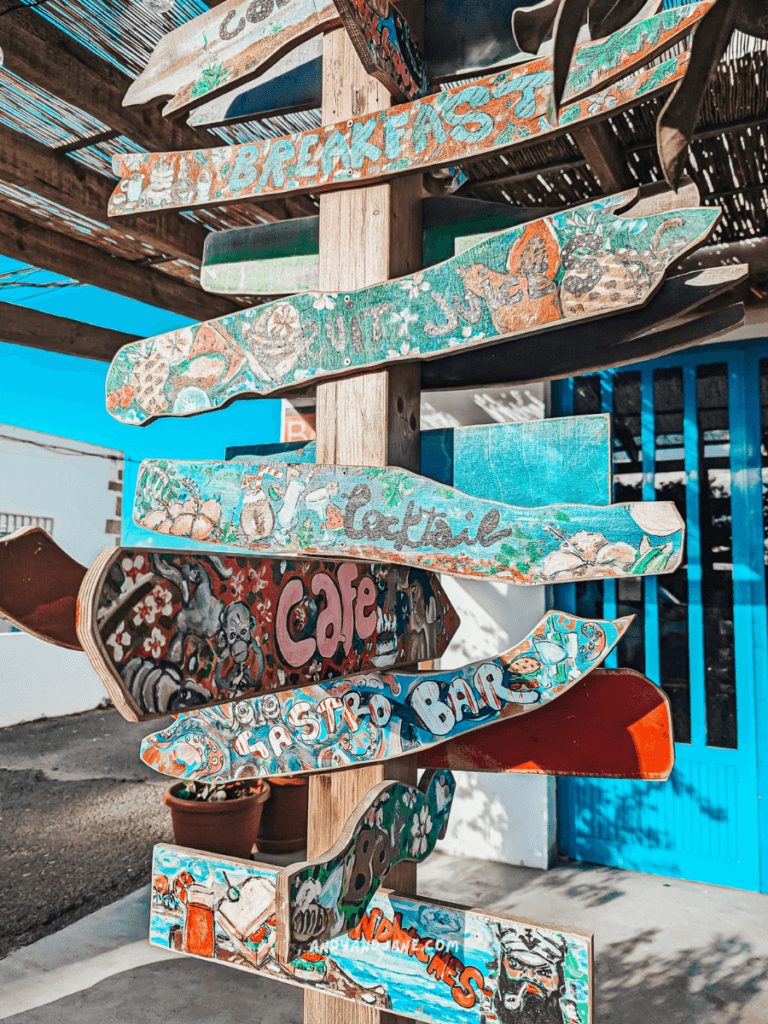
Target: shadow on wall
712,984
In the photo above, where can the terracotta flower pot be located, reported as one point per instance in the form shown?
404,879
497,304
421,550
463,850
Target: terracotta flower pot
228,827
283,826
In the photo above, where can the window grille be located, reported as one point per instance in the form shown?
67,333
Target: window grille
9,522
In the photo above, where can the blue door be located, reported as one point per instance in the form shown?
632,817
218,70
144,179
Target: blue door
688,428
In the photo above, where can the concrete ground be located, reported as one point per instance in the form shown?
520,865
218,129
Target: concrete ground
79,815
666,951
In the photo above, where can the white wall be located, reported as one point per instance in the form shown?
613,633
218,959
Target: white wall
79,487
495,817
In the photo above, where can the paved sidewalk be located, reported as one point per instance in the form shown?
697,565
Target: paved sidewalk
666,952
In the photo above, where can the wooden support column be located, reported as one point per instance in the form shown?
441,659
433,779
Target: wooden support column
601,150
366,235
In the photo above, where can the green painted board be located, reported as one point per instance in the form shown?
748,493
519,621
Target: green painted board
573,266
282,258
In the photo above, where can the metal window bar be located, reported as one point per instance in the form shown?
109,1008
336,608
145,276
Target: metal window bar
10,522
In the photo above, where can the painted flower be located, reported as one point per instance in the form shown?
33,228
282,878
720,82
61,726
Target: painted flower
370,816
153,644
420,829
176,346
403,318
135,568
415,285
324,302
300,615
409,798
237,583
258,583
314,669
283,321
265,613
119,641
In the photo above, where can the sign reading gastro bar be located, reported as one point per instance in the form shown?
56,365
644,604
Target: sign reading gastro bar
389,514
576,265
375,717
493,114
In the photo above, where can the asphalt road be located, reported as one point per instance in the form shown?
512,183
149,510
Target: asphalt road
79,815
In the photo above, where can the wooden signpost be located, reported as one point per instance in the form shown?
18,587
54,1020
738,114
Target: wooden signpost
167,631
327,897
230,44
579,265
423,959
295,509
491,115
386,46
615,723
375,717
38,586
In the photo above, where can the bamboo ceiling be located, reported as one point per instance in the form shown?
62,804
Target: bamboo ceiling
727,161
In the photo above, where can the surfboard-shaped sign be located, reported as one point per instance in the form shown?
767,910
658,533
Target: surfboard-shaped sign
386,46
38,586
614,724
584,263
229,44
167,631
465,122
320,899
375,717
418,958
389,514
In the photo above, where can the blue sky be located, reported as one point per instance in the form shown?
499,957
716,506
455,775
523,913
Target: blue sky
64,395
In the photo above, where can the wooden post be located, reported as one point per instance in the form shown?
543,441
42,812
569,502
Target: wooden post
367,235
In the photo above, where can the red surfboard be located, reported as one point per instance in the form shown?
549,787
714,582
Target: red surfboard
614,724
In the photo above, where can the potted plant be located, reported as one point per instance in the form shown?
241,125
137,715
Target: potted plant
220,817
283,826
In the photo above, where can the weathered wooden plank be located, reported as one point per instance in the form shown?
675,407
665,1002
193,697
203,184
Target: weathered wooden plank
578,265
386,46
167,631
293,83
493,114
374,717
61,254
38,586
232,43
321,899
40,169
665,325
22,325
419,958
526,464
615,724
283,258
389,514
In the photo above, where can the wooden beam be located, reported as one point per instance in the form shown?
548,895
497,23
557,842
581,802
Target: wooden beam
366,235
20,325
600,148
41,247
50,59
36,167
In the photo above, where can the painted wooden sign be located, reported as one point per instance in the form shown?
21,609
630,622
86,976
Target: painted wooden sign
321,899
167,631
38,586
387,49
229,44
491,115
392,515
376,717
418,958
614,724
581,264
293,83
